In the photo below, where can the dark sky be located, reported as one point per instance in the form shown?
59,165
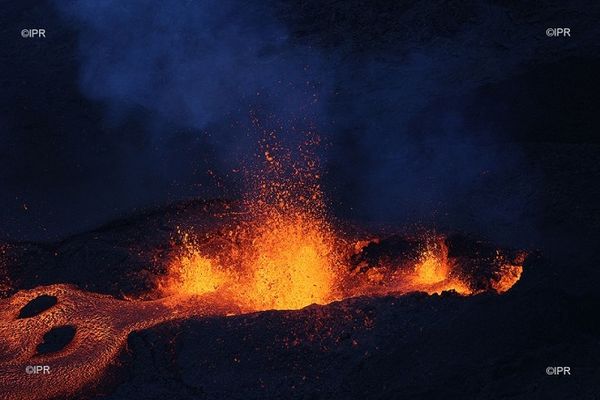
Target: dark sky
428,111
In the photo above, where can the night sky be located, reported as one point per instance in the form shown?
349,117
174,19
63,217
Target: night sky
432,114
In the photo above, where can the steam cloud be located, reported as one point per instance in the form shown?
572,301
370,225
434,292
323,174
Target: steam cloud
407,136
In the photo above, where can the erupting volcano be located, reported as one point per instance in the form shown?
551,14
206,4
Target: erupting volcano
278,250
291,260
282,252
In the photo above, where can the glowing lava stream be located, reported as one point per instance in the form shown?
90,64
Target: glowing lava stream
288,274
102,325
283,279
282,255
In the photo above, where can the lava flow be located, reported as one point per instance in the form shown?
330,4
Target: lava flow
100,324
280,252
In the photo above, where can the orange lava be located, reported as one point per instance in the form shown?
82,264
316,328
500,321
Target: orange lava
283,253
280,254
292,263
276,262
192,273
432,272
102,325
507,277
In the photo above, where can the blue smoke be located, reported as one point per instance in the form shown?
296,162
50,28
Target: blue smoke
402,142
195,65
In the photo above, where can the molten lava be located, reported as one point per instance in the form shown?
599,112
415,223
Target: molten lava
433,272
506,277
192,273
283,253
292,263
280,254
277,262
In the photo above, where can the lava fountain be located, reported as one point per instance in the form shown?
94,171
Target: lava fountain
280,252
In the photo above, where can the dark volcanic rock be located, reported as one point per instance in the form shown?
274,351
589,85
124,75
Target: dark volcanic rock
37,306
123,257
415,346
56,339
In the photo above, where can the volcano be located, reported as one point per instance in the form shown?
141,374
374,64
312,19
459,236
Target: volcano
207,200
105,322
271,297
112,318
